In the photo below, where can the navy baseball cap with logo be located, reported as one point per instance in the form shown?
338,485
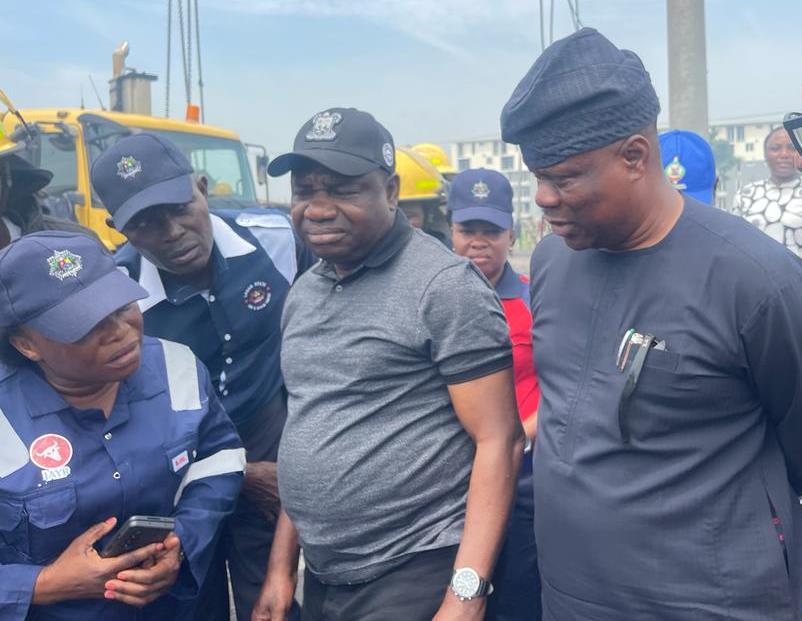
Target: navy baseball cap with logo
346,140
688,164
481,194
138,172
61,284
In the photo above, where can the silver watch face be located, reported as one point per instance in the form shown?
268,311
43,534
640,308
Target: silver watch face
465,582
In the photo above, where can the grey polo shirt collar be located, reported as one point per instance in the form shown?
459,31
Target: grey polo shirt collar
390,245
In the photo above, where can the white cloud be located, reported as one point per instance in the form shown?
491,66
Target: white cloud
444,25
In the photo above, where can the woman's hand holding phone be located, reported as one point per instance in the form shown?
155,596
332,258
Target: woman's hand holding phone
141,585
80,573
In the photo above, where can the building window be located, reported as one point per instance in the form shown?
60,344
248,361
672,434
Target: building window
488,161
464,163
739,133
750,146
507,162
496,147
459,149
730,133
523,192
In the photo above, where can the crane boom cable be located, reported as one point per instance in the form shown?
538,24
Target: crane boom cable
200,70
574,9
183,47
169,47
542,30
189,52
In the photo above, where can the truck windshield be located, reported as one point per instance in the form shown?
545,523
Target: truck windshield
222,161
55,152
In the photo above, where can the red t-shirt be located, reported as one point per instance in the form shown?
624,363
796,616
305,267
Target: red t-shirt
513,289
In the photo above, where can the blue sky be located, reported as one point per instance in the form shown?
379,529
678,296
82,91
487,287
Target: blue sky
430,70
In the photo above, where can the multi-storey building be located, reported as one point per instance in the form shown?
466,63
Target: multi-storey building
491,152
746,134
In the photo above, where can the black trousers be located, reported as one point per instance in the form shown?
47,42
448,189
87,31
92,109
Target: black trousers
516,579
247,535
411,592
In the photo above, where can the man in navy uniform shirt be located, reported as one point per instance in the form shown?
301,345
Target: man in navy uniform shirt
668,344
217,282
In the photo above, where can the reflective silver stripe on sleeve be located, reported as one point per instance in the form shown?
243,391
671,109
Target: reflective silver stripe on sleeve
274,233
222,462
182,376
13,454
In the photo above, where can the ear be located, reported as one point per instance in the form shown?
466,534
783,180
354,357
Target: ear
512,237
393,187
25,345
203,185
635,152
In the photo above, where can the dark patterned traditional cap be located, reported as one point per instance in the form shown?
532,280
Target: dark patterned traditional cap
582,93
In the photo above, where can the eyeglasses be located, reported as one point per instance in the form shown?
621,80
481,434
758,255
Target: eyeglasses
792,122
642,344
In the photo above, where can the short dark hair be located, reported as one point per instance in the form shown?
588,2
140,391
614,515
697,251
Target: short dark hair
9,355
769,135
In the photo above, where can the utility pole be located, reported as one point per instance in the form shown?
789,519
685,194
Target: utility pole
687,66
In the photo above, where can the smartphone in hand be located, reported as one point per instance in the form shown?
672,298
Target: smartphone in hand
138,531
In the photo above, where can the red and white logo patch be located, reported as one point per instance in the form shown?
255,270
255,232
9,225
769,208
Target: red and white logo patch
52,452
180,460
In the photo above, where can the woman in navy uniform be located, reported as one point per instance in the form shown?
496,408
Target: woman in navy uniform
98,424
480,209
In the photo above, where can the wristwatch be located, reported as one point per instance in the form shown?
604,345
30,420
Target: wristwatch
467,584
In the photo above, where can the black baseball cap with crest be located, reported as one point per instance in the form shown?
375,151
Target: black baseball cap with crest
345,140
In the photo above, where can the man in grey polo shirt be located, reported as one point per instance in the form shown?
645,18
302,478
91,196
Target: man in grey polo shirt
402,443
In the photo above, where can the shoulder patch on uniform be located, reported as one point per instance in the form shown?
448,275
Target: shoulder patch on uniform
182,376
266,220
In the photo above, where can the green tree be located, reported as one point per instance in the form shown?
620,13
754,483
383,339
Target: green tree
724,154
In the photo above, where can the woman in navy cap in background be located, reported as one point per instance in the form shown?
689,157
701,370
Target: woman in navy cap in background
98,424
480,209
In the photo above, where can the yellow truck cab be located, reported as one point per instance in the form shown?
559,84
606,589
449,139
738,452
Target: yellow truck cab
69,140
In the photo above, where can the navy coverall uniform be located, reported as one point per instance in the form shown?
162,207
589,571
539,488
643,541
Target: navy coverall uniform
168,449
234,328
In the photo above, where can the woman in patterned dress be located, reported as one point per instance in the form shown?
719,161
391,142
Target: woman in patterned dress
774,205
